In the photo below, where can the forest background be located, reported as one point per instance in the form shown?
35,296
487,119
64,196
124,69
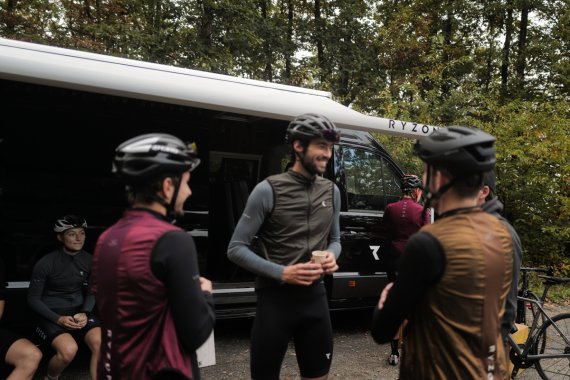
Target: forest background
499,65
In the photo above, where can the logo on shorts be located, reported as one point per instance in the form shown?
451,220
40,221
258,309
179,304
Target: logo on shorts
41,333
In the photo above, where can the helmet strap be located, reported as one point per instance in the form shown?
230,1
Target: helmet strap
170,210
431,195
170,207
158,199
414,194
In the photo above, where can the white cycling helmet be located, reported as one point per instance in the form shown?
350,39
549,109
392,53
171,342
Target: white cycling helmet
69,221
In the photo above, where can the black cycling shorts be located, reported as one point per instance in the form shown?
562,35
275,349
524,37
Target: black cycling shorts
47,330
392,262
286,312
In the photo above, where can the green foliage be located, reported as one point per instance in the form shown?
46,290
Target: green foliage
470,62
401,151
533,171
533,175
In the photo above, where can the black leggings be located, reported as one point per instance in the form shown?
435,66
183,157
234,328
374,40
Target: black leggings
287,312
392,265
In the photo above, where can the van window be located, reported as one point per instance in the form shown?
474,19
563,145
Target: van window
392,183
371,183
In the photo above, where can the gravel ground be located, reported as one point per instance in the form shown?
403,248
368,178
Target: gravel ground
356,355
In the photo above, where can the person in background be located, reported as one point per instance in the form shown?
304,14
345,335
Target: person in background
293,214
56,294
401,220
455,274
490,203
15,350
155,308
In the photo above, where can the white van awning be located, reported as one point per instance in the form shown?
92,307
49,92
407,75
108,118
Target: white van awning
41,64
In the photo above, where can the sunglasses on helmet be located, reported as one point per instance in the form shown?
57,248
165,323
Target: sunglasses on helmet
330,135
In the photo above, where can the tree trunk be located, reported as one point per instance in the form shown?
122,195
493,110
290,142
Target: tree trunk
268,74
506,51
10,26
319,39
87,9
98,10
157,22
207,23
491,51
521,57
447,37
290,15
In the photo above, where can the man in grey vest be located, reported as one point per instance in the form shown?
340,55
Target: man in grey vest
293,214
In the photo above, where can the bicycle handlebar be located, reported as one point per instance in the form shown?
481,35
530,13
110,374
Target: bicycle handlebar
540,270
554,280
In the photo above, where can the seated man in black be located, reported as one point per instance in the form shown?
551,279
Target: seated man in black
56,295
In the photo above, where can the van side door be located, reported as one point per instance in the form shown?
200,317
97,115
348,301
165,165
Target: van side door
369,180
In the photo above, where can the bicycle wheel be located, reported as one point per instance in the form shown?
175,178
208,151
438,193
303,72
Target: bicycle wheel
551,342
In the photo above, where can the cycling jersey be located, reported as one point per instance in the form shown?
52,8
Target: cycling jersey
402,219
58,282
453,281
292,215
154,314
295,230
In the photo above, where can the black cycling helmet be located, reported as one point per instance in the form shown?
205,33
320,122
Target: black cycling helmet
309,126
462,151
67,222
410,182
147,156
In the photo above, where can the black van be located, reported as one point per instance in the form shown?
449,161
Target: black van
65,111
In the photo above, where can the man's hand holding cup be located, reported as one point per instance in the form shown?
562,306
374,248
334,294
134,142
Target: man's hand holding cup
326,259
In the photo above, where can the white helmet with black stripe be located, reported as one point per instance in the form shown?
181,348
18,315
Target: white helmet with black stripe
69,221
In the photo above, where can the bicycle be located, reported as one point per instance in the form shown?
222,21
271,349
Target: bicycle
526,311
547,346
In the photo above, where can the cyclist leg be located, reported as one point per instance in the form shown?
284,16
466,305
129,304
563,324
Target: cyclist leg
270,334
314,339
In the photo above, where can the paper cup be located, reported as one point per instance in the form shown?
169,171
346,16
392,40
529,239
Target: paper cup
318,256
79,317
